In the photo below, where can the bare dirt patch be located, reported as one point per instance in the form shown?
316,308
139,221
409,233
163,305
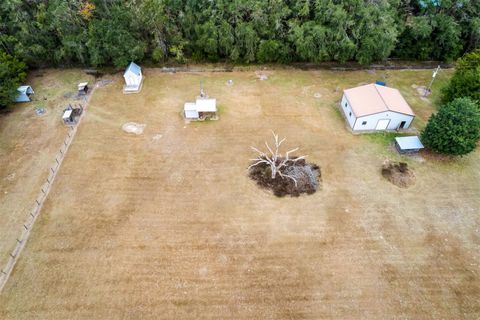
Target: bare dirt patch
398,173
133,127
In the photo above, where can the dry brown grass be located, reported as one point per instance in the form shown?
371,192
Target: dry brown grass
137,227
28,144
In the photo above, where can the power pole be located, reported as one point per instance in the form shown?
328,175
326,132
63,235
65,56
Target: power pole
202,92
431,82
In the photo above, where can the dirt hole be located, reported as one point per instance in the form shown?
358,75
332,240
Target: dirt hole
398,173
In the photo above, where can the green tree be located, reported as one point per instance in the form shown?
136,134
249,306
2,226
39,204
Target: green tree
455,129
12,74
465,82
113,40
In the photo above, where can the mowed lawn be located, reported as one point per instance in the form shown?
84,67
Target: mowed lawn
167,225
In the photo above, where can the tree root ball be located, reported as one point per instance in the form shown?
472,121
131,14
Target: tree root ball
308,176
398,173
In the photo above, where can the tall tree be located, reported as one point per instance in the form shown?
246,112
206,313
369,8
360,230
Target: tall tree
12,74
465,82
113,40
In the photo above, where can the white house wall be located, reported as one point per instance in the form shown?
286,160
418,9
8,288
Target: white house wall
372,120
347,111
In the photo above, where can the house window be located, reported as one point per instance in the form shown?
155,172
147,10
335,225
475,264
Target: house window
364,123
350,114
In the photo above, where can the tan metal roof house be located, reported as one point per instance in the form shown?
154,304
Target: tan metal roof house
374,107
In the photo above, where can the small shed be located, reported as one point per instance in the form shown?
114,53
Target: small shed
203,108
24,93
71,114
410,144
67,117
190,111
82,88
133,78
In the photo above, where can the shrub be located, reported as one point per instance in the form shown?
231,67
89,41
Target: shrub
455,129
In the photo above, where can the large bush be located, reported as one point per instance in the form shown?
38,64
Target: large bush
455,129
12,74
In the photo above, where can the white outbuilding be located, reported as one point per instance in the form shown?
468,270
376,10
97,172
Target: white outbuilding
203,108
133,78
374,107
23,94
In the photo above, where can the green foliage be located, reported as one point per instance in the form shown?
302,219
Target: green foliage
272,51
177,53
101,32
12,74
113,40
438,30
466,79
455,129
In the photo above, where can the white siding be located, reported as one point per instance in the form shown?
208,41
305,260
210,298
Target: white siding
132,79
372,120
347,111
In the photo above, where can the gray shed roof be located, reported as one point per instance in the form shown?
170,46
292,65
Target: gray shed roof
23,93
133,67
409,143
25,89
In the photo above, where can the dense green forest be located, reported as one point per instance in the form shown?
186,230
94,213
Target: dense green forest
113,32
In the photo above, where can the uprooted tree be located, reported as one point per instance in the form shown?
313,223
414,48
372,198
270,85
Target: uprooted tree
284,174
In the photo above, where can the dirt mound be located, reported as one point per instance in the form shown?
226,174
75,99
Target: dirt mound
398,173
307,175
133,127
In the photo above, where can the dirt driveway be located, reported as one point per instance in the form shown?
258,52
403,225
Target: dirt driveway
170,226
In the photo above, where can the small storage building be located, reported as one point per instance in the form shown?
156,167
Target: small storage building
373,107
24,93
83,88
410,144
68,117
133,78
201,109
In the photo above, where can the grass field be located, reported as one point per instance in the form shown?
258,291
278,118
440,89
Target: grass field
28,144
137,227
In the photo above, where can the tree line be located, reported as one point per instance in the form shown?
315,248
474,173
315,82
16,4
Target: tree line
113,32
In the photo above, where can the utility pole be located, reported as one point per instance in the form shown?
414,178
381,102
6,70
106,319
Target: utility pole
431,82
202,92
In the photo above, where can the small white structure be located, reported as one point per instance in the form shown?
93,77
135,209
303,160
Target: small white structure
23,94
410,144
82,88
203,108
133,78
67,117
373,107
